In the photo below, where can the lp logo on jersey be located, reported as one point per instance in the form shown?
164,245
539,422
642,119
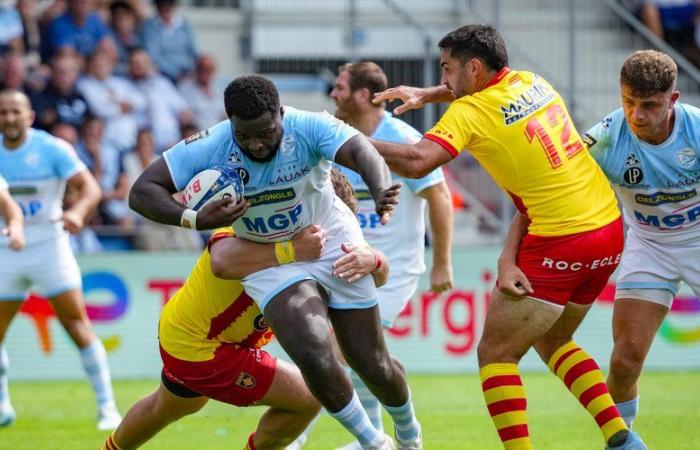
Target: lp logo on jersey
633,174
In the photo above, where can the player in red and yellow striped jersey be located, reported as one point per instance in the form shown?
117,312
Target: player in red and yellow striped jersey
211,334
517,126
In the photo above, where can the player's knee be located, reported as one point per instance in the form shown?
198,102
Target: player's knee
79,330
626,364
378,370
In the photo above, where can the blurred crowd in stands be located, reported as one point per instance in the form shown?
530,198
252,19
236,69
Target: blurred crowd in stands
122,83
675,21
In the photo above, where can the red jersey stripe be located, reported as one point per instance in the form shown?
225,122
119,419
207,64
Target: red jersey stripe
442,143
229,315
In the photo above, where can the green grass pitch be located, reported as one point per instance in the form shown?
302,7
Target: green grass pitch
61,416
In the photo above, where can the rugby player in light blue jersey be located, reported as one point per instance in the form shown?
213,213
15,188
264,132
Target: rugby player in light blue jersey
284,156
649,151
37,167
12,213
403,239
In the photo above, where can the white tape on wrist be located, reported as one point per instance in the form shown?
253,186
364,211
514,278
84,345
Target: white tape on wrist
188,219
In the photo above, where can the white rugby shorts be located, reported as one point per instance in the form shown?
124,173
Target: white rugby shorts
653,272
47,268
394,296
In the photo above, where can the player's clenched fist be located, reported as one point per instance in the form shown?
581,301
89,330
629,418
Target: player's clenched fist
73,222
309,242
385,201
220,213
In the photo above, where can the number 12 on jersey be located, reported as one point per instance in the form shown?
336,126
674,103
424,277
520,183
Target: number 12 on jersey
536,129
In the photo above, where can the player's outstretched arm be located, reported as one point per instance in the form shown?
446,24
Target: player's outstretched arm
151,196
412,160
234,259
358,154
88,196
359,261
440,216
511,280
414,97
14,222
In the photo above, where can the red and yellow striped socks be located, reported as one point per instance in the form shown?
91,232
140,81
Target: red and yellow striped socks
506,402
583,378
110,443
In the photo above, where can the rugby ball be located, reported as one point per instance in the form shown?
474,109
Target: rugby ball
213,184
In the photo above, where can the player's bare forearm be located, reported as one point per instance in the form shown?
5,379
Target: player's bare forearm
151,195
437,94
88,195
234,259
441,222
516,232
10,210
412,160
359,155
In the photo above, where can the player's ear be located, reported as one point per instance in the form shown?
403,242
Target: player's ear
675,95
281,112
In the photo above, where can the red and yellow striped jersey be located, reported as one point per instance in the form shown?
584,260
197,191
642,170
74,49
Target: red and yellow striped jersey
207,311
520,131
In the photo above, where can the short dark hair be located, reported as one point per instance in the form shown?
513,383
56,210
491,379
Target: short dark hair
365,75
649,72
476,41
250,96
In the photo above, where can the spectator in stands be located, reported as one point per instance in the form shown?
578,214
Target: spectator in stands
105,162
169,38
113,99
79,29
11,29
167,110
60,101
675,22
202,94
31,36
13,72
123,26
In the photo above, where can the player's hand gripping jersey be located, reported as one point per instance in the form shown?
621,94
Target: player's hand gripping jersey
657,184
518,128
207,312
36,173
286,194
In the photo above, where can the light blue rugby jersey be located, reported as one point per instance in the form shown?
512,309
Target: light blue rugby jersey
658,185
286,194
402,238
36,173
